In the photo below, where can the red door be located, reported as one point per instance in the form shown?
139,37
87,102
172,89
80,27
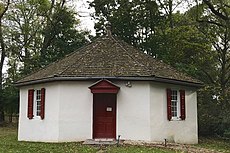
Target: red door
104,115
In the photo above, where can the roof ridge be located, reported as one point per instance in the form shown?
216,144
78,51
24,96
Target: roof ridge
158,61
129,53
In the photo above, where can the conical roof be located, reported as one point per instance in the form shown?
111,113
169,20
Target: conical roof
110,58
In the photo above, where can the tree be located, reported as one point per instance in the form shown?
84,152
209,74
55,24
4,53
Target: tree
3,9
66,38
214,22
37,27
133,21
10,92
147,26
35,33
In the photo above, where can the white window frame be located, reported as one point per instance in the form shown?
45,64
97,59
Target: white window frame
37,101
177,117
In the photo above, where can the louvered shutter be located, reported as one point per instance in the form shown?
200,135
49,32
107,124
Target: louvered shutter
42,113
182,104
169,110
30,103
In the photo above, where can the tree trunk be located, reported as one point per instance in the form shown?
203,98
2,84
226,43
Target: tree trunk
10,117
3,55
170,14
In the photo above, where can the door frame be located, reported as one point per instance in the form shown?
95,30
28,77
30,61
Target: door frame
104,86
114,117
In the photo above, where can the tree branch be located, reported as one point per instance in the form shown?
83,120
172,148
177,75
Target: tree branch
163,6
216,12
209,76
211,22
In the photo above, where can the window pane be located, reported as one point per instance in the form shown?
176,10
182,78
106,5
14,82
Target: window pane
38,102
174,102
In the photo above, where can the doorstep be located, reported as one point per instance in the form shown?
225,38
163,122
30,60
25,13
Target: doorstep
100,142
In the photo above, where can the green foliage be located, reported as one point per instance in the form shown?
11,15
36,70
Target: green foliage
1,7
213,21
36,33
133,21
227,133
11,99
10,92
66,39
42,6
41,32
208,111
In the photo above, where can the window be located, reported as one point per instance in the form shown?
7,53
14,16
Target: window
36,103
175,104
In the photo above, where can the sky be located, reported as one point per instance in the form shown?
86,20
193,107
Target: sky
87,22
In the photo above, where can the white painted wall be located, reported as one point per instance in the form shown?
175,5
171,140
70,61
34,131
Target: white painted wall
46,130
76,111
133,109
68,113
141,113
174,131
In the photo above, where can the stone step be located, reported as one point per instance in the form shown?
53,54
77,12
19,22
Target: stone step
100,142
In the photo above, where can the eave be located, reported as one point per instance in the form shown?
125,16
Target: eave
128,78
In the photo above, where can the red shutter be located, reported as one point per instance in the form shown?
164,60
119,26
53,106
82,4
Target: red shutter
30,103
42,113
169,110
182,104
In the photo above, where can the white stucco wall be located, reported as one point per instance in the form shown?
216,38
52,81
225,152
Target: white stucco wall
141,113
46,130
76,111
133,109
185,131
68,113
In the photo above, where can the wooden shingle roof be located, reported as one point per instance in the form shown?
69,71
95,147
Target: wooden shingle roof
110,58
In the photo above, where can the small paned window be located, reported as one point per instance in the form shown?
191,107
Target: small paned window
37,102
175,104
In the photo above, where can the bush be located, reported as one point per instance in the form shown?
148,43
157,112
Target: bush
227,133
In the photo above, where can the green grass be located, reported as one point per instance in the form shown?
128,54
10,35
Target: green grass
9,143
216,144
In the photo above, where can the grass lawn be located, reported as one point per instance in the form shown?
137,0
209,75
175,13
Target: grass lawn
216,144
9,143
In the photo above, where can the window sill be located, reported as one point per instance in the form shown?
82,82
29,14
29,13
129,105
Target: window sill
37,117
176,119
